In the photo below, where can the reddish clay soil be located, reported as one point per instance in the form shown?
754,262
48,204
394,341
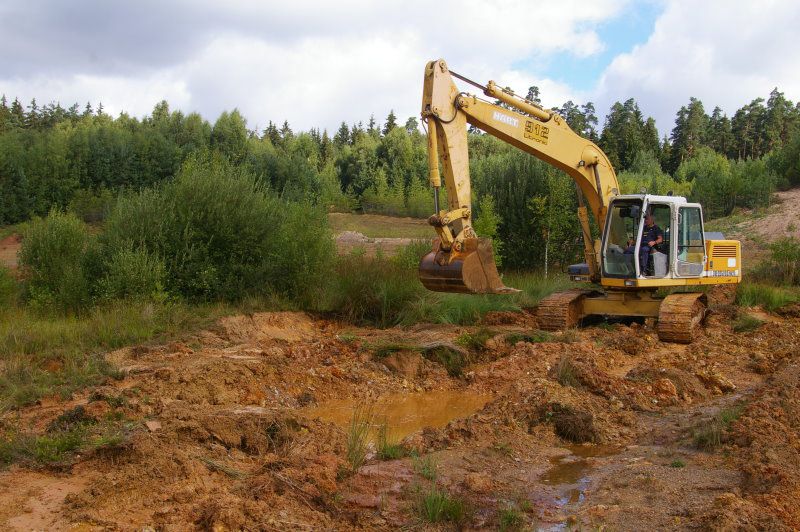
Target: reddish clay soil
232,431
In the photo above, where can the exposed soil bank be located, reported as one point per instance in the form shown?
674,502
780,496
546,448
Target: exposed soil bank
230,430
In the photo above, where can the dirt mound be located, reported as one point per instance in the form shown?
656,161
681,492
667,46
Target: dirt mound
267,327
220,430
767,448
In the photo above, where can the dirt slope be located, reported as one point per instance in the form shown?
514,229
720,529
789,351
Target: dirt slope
228,431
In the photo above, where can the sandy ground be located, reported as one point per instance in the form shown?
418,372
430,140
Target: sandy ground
243,427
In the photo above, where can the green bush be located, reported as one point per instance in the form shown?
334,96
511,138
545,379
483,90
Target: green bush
59,260
222,235
91,206
133,274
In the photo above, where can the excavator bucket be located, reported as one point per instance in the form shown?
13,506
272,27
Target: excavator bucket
469,271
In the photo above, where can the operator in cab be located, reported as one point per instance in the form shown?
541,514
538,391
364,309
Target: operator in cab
652,235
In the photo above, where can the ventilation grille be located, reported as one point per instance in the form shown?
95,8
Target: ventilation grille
720,252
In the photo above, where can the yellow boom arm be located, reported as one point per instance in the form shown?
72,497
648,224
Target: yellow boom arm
527,126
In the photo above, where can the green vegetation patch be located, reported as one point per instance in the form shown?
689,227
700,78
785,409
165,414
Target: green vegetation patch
767,297
746,323
510,519
435,505
710,434
72,432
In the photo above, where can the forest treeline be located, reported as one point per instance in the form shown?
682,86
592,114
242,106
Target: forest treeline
80,159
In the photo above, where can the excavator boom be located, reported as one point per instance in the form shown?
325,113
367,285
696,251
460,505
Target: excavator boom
460,261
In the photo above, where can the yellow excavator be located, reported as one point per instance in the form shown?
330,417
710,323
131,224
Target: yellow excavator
626,277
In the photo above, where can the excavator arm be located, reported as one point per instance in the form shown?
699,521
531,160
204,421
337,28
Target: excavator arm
460,261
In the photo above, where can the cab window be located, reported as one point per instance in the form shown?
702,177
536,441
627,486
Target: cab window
621,234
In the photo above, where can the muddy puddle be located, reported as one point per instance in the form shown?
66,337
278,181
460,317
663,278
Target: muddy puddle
404,414
570,473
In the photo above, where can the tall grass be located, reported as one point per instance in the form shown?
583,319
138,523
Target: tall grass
358,436
46,354
767,297
435,505
385,291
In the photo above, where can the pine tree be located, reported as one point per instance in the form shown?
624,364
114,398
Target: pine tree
271,132
391,123
690,132
533,95
342,136
720,136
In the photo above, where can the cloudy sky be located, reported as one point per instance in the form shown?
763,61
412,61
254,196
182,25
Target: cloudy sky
318,62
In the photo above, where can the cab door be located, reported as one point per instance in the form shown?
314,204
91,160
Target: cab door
690,246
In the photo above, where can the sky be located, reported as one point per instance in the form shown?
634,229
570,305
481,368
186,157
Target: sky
317,63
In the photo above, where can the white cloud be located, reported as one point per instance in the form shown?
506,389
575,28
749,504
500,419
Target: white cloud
724,53
312,63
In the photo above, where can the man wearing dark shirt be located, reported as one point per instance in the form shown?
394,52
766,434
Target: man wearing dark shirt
652,235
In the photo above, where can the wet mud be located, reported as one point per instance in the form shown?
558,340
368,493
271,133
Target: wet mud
245,427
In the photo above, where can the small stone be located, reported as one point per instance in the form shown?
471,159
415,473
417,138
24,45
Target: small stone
152,425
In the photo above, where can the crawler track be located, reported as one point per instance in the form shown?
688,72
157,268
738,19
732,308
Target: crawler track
680,317
561,310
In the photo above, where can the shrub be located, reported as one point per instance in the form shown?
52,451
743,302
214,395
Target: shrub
133,274
58,259
222,235
785,257
91,206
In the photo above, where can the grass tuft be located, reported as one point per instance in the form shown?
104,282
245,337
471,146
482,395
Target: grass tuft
710,434
435,505
510,519
454,361
387,448
425,466
746,323
475,341
358,436
769,298
677,464
566,373
533,337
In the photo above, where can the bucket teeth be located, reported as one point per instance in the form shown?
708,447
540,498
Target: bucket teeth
469,271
